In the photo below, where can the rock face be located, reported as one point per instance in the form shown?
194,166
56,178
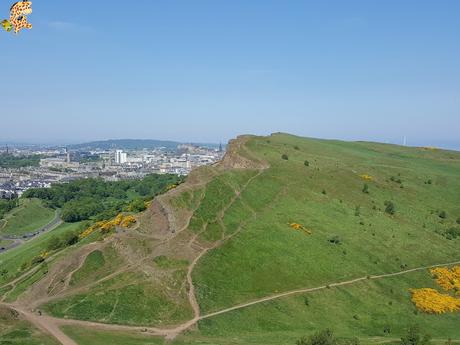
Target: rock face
238,157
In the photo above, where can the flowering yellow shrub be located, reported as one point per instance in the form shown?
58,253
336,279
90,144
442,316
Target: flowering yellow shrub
297,226
448,279
433,302
106,226
128,221
171,186
366,177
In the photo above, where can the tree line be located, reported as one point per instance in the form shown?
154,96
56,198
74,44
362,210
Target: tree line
97,199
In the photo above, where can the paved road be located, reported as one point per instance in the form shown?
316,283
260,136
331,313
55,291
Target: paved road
19,240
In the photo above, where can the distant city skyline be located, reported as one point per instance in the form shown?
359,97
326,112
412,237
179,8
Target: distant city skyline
208,71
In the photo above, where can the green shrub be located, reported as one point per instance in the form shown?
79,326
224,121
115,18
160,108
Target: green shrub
284,156
70,238
307,164
452,233
325,337
296,148
442,214
414,337
37,259
390,207
458,220
335,240
54,243
366,188
137,205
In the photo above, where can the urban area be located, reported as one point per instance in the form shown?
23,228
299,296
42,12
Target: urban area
47,165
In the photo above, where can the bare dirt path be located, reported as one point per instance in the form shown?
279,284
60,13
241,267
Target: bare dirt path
51,324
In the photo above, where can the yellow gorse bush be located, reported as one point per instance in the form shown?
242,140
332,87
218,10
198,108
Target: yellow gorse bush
297,226
171,186
448,279
366,177
128,221
106,226
433,302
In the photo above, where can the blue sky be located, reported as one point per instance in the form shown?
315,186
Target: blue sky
209,70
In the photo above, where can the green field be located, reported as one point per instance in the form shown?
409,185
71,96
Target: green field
363,209
31,215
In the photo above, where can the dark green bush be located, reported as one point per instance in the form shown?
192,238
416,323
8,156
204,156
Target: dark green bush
390,207
284,156
366,188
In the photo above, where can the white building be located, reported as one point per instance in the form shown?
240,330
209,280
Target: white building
120,157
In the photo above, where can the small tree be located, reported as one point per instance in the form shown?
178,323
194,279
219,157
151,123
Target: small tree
284,156
366,188
70,238
390,207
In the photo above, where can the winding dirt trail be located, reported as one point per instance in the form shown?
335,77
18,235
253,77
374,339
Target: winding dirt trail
51,324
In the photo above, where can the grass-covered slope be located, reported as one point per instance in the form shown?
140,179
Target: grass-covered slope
31,215
320,186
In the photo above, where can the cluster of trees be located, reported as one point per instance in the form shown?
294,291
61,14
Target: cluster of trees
7,205
13,162
99,200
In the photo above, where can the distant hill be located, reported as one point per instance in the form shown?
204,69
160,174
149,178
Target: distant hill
135,144
129,144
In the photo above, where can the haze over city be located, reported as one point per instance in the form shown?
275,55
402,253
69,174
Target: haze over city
207,71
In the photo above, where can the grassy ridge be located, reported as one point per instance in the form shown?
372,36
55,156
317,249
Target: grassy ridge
327,197
31,215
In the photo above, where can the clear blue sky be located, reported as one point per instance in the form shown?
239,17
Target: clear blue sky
209,70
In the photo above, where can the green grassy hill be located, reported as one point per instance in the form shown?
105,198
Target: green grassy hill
30,216
227,237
